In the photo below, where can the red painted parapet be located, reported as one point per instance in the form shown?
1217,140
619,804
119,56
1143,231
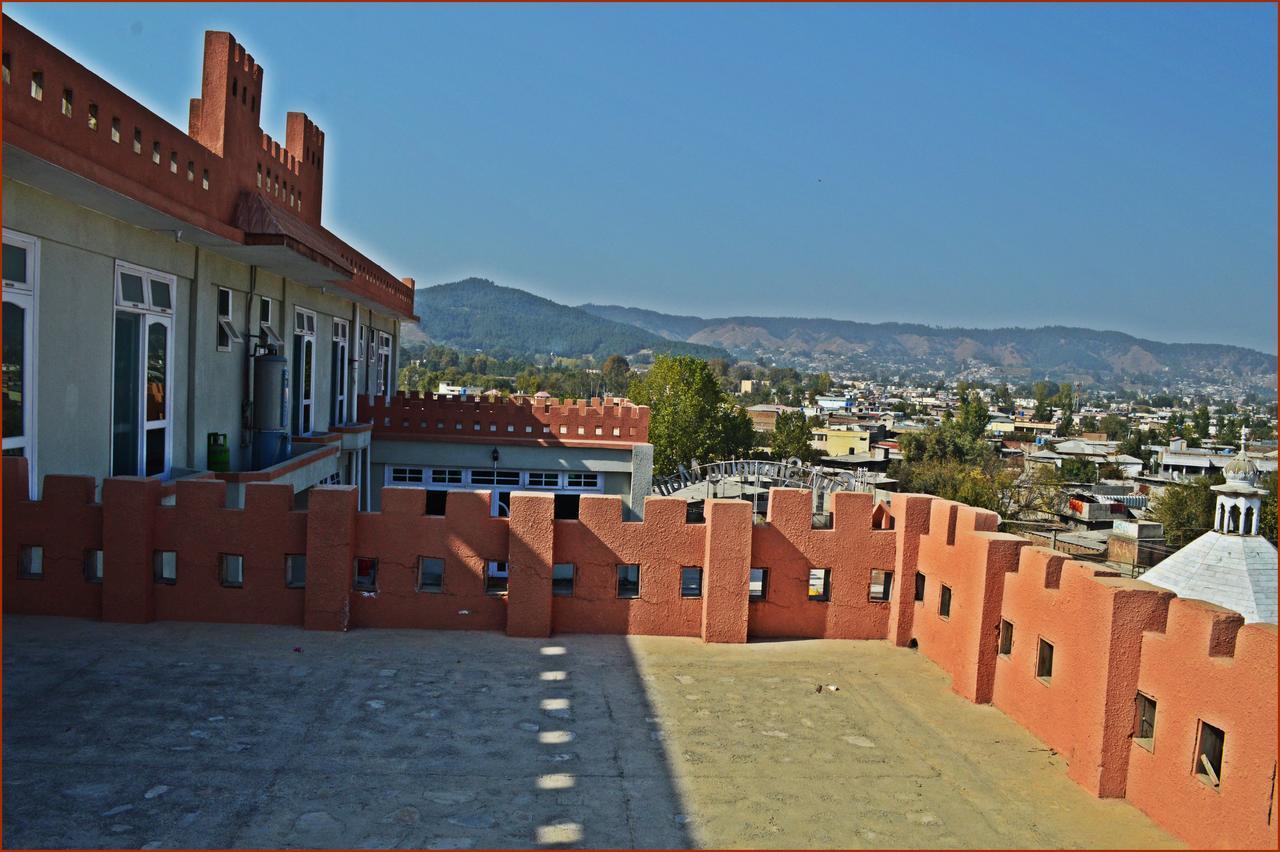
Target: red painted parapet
600,540
963,561
60,535
59,111
1093,622
596,422
1208,671
908,517
466,539
229,564
841,604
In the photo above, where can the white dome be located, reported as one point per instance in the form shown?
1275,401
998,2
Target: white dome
1241,469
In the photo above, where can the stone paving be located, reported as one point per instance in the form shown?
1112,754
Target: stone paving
188,735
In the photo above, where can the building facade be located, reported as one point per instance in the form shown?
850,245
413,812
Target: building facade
148,270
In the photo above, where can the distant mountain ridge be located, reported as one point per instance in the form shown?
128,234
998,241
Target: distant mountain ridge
1059,351
476,313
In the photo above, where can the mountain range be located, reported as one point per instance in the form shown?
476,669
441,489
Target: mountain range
478,314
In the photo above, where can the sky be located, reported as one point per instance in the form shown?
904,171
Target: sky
1106,166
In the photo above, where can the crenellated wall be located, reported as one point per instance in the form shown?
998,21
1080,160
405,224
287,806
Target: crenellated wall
1207,665
608,422
1112,637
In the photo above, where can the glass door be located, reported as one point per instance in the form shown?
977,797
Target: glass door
338,373
142,374
19,351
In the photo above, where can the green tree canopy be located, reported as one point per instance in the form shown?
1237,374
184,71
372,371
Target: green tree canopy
793,436
690,416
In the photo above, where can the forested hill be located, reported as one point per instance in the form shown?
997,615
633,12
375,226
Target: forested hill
503,321
1056,351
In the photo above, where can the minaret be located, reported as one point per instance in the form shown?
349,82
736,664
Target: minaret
1239,506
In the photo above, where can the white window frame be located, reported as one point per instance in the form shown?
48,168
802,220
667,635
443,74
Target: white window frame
341,346
385,379
225,322
24,295
304,326
268,325
406,475
150,315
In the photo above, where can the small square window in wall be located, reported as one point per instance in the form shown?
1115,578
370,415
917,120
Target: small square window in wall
564,430
1044,661
295,571
562,579
758,584
204,179
881,585
495,578
31,562
567,507
137,140
67,100
37,85
690,582
628,581
8,72
191,171
437,501
93,117
1005,647
944,602
115,130
155,153
366,579
1209,743
173,162
1144,721
165,566
93,566
430,574
819,584
232,570
920,581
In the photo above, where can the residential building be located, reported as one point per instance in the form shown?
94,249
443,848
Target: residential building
173,304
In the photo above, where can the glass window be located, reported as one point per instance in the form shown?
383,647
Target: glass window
819,584
232,570
446,476
430,574
919,586
1144,722
881,585
758,584
31,562
93,566
366,574
131,289
1044,660
690,582
562,580
628,581
944,602
406,475
126,395
160,296
14,346
1006,638
582,480
544,480
495,578
1209,754
295,570
15,264
165,565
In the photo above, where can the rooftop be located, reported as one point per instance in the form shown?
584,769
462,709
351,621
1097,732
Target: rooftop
176,735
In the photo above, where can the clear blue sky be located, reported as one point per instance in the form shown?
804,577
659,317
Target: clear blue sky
1105,166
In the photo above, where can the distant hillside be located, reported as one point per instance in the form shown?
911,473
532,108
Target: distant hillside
478,314
1056,351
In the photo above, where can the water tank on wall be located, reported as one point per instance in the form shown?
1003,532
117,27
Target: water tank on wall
271,442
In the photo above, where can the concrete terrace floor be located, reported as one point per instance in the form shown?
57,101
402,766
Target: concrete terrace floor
188,735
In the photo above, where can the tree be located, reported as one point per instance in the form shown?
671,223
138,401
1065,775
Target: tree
974,416
1066,426
690,417
1267,520
1186,509
1004,399
1088,423
793,436
615,372
1200,422
1115,426
1079,470
1043,412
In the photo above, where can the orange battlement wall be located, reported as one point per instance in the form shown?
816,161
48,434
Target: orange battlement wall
64,114
608,422
1112,637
